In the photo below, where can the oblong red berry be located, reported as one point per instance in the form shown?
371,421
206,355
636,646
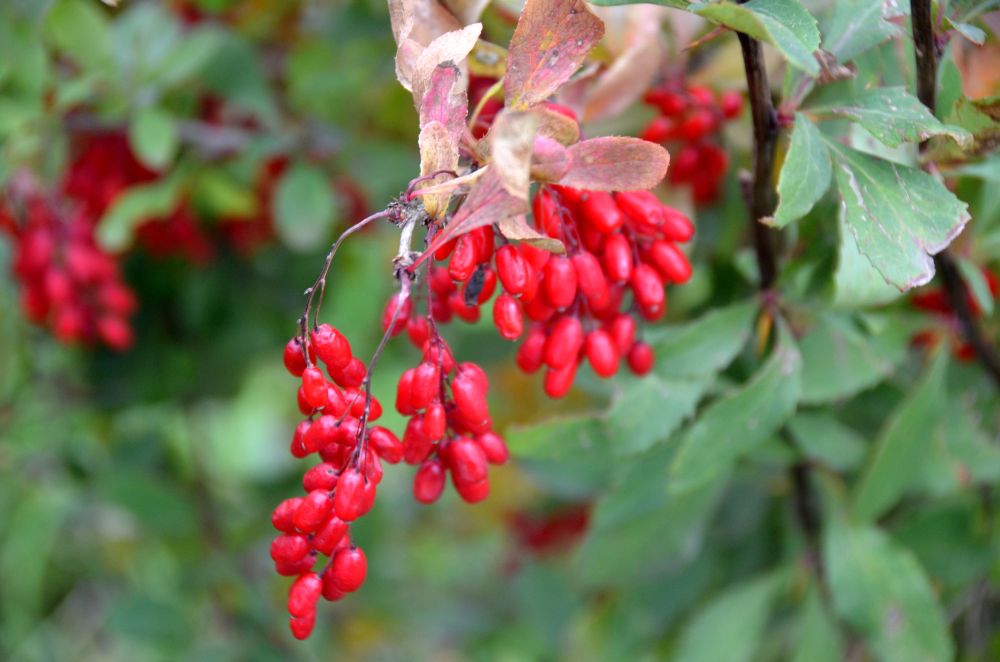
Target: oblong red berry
298,446
329,535
560,282
404,392
563,343
282,518
305,564
507,317
530,355
470,402
314,386
601,352
426,385
558,381
670,261
641,207
435,422
348,499
428,482
601,212
321,477
386,444
622,329
304,594
465,312
546,215
418,330
467,460
313,511
349,569
591,280
463,259
676,226
512,269
494,447
400,312
471,492
417,446
289,548
302,627
331,346
618,258
294,358
323,431
648,290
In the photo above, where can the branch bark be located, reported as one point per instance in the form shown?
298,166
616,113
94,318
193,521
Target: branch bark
955,287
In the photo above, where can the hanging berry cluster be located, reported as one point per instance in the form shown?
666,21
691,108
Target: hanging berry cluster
67,282
449,430
691,117
576,305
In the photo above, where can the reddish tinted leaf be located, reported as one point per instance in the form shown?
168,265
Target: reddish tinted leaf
616,163
549,44
438,151
557,126
487,203
516,228
446,100
549,160
415,64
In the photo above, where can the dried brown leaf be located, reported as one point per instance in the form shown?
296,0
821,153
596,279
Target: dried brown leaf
438,151
511,138
551,40
616,163
550,160
516,228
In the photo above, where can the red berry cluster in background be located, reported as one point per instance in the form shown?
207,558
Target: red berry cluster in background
934,300
449,430
617,244
690,117
67,282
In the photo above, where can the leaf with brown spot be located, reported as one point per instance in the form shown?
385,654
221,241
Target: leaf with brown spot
551,40
616,163
438,151
516,228
487,203
511,138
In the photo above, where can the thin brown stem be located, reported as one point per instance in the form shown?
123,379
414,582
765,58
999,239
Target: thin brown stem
955,287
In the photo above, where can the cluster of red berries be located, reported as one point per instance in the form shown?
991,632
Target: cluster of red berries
67,282
449,430
934,300
617,243
690,117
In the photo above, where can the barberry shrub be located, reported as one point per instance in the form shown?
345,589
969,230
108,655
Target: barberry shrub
645,331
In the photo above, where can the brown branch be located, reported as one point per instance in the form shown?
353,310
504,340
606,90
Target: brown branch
761,194
956,289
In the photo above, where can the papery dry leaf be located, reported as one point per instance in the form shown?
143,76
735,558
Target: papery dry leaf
550,160
616,163
551,40
557,126
510,139
516,228
438,151
467,11
488,202
446,101
422,21
451,47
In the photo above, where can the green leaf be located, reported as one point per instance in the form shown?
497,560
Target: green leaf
805,174
839,360
304,207
706,345
649,409
137,204
730,627
894,116
190,56
880,589
899,216
568,456
899,452
79,29
856,283
819,639
858,26
223,196
153,136
825,439
959,456
641,521
785,24
733,425
970,32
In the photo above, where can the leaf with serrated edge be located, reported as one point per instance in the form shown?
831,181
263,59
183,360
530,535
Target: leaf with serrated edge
899,216
894,116
616,163
705,345
903,444
856,283
648,410
731,426
550,41
879,589
805,175
785,24
857,26
516,228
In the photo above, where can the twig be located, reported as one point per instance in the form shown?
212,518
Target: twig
761,193
955,287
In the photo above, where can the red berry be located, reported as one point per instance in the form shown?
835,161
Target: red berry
677,226
602,353
283,516
349,569
698,124
428,482
314,386
426,385
313,511
564,342
348,499
558,381
331,346
417,445
512,269
435,422
672,264
321,477
289,548
463,259
295,360
400,312
601,212
507,317
494,447
532,351
304,594
731,104
591,280
623,331
640,358
386,444
418,329
329,536
618,258
471,492
648,290
560,282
